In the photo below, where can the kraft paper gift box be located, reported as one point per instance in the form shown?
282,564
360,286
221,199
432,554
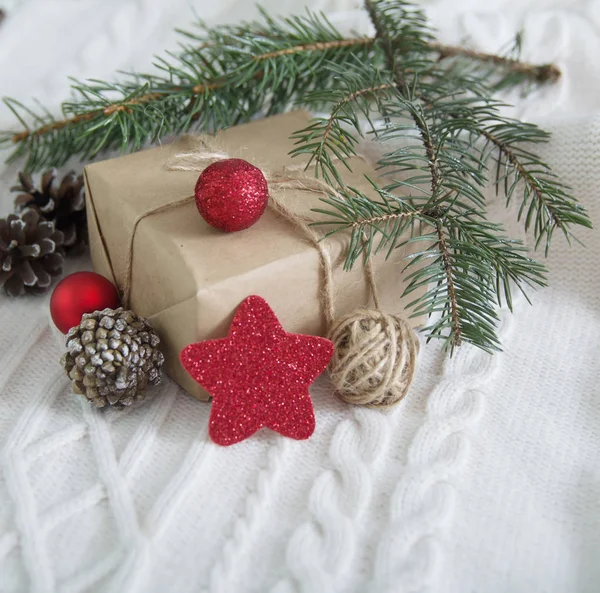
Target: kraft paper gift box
188,278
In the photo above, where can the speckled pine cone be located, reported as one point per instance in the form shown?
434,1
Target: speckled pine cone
31,253
60,201
112,356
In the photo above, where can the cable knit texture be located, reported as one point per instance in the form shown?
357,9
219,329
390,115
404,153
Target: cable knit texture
485,478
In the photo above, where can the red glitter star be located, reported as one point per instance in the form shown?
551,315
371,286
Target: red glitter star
258,375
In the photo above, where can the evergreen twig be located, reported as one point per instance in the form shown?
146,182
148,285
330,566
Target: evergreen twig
95,111
537,73
467,265
433,101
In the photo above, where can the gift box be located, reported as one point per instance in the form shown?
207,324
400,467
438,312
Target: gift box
188,278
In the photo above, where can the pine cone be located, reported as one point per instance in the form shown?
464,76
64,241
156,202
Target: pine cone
31,253
112,356
63,203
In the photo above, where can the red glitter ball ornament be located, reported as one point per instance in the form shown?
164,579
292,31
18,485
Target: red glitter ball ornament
231,195
258,375
79,293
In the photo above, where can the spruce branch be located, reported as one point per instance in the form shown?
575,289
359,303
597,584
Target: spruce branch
375,221
455,329
467,266
333,139
536,73
433,102
312,47
82,117
539,73
546,203
454,322
229,78
429,145
416,112
247,57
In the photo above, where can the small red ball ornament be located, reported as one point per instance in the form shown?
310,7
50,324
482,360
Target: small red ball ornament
231,195
79,293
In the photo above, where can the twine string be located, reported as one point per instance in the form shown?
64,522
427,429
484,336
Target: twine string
326,293
129,262
291,177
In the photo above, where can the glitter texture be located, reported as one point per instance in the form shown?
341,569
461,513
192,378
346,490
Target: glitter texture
258,375
231,195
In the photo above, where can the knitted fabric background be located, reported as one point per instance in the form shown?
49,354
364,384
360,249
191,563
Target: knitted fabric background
486,479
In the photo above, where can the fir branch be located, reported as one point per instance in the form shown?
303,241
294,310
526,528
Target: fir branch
436,100
527,177
108,111
415,111
314,47
430,151
535,73
350,98
455,330
375,221
113,107
221,72
546,203
467,265
543,73
248,51
470,267
385,218
333,139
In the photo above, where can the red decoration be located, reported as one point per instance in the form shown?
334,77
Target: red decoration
79,293
258,375
231,195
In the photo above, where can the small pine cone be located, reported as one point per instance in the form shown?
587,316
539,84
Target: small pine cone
112,356
31,252
63,203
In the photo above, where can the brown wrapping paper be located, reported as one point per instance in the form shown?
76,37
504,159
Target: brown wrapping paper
189,278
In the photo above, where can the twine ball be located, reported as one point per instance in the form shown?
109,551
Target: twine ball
375,358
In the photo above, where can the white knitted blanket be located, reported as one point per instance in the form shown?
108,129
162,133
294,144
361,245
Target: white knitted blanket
486,479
